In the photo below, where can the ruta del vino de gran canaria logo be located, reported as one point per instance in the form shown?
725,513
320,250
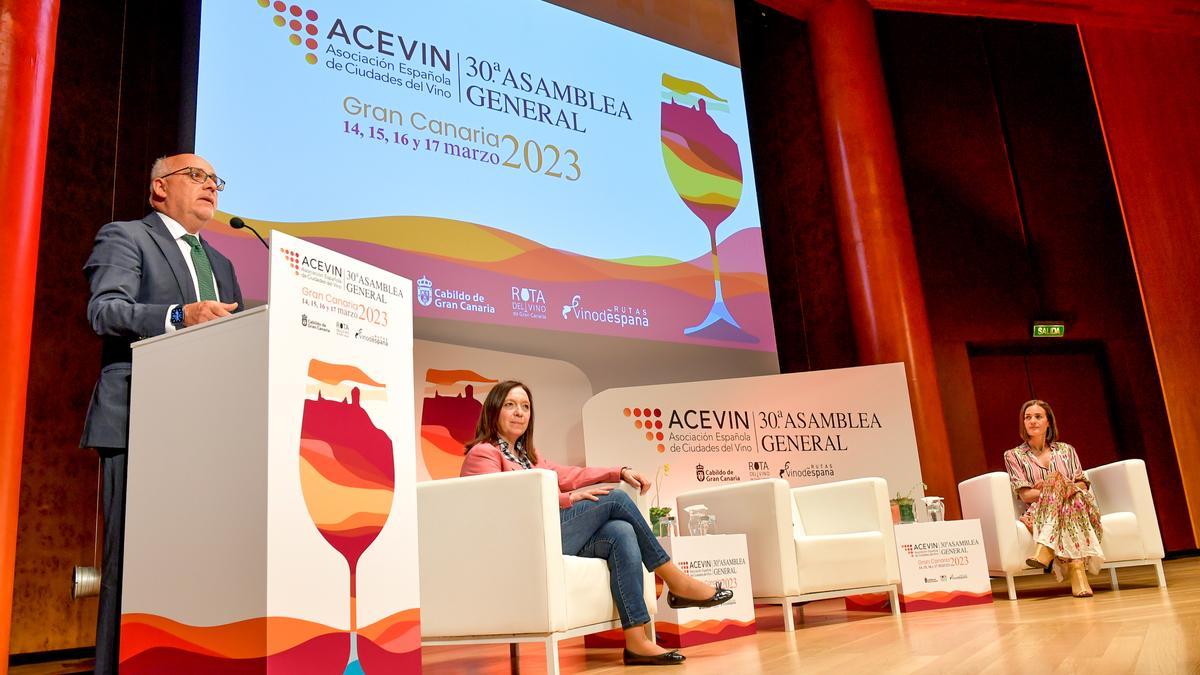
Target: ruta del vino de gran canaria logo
300,24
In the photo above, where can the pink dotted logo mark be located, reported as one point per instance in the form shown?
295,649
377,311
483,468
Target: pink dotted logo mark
300,22
292,258
650,421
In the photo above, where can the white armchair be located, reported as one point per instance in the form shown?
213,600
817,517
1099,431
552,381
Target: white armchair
492,567
1131,535
809,543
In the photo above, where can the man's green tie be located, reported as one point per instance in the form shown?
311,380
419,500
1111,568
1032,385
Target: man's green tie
204,275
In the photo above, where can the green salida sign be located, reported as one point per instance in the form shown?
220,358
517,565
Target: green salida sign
1049,329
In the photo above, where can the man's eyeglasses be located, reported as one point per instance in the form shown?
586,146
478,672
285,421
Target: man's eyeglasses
199,175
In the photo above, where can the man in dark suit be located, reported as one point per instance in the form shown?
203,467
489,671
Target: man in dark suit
147,277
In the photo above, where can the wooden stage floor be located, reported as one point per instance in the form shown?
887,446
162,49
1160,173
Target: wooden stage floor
1138,629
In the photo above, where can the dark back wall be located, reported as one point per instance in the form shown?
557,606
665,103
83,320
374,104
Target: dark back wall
1015,217
113,111
808,287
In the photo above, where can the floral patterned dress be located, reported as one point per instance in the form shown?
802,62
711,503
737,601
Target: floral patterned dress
1065,517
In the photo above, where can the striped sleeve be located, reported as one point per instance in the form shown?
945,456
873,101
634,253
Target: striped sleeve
1018,473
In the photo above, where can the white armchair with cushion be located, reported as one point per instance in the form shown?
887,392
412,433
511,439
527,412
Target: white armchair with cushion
809,543
1131,535
492,568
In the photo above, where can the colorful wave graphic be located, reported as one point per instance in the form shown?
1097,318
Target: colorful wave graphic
674,636
406,235
336,373
435,376
701,631
443,454
917,602
702,162
448,422
868,602
673,292
347,473
614,638
157,644
682,87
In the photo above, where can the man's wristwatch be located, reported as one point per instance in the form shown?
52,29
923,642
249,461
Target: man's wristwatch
177,316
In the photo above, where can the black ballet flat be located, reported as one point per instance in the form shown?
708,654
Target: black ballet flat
719,597
672,658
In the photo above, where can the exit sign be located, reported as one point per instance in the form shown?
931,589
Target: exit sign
1049,329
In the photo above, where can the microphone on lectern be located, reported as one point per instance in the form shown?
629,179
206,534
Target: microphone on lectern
237,224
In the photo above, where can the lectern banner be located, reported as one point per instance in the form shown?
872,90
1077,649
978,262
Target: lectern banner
807,428
342,530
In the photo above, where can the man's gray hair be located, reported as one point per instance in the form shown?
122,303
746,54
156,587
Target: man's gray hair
157,170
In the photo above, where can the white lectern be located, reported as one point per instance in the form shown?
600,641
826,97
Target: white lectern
271,512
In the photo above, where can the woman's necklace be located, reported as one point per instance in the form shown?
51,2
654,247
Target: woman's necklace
1046,449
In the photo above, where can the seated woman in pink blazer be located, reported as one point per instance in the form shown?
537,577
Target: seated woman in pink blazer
597,522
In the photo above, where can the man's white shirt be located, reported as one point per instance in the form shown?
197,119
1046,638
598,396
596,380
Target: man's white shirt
177,231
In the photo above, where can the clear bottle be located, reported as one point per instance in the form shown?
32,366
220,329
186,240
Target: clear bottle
710,524
936,508
697,519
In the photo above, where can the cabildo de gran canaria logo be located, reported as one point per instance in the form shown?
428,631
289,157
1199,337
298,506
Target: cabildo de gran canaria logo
424,291
299,22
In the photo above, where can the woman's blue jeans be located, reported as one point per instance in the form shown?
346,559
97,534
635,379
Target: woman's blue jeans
614,529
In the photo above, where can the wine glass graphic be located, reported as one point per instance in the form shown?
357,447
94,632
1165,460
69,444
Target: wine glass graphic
347,473
705,168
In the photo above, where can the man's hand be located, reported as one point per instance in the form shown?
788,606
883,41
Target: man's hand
206,310
635,479
591,494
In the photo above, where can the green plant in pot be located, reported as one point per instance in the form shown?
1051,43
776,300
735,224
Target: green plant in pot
904,504
658,520
660,515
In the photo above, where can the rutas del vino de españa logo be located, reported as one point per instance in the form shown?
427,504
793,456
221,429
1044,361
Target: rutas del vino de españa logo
292,258
649,420
302,23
